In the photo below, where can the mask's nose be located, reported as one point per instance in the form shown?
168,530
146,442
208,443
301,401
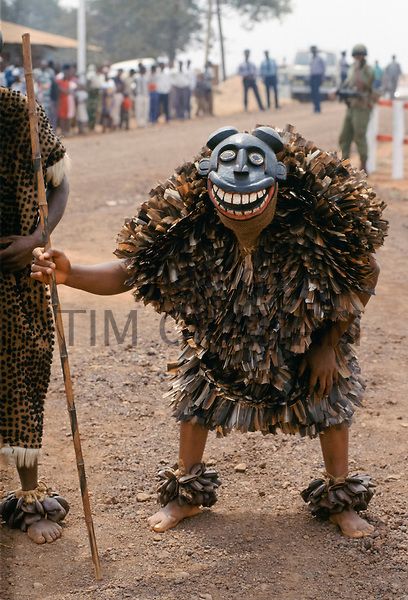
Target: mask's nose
241,167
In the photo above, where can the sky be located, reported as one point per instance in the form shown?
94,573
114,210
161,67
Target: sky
330,24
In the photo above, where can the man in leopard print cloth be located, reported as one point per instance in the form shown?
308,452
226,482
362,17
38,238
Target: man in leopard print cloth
25,316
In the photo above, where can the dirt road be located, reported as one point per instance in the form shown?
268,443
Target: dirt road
261,544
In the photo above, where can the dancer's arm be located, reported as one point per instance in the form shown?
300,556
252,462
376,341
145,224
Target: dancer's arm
333,333
103,279
320,359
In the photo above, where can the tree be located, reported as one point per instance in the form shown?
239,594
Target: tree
46,15
256,10
143,28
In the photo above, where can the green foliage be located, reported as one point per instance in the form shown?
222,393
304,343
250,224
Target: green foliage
46,15
134,28
256,10
129,29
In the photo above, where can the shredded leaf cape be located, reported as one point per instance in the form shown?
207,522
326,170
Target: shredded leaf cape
246,320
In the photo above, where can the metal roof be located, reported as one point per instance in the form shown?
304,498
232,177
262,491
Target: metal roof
12,33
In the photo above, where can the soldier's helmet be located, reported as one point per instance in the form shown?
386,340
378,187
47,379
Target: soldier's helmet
359,50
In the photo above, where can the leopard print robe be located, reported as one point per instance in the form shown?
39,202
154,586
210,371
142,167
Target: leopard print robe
26,329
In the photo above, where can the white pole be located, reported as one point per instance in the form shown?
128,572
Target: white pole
81,35
398,127
372,132
208,36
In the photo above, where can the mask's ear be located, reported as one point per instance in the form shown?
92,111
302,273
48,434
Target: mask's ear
220,135
281,171
203,167
270,137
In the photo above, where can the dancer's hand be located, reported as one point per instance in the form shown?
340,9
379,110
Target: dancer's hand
321,362
16,252
50,261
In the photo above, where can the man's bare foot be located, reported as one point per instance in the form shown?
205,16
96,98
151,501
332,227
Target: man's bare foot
44,531
170,515
351,524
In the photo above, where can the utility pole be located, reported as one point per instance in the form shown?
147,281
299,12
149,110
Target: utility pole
81,37
221,36
209,31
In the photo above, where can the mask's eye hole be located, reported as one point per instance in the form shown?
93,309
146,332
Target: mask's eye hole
256,158
228,155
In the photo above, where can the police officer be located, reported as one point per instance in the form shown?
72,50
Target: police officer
360,101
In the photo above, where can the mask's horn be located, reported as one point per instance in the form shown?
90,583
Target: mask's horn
220,135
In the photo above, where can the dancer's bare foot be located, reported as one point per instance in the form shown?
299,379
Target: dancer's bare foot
44,531
351,524
170,515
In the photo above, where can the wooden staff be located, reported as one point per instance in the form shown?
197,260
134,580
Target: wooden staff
56,307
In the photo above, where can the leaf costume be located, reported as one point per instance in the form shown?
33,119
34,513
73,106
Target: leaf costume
247,318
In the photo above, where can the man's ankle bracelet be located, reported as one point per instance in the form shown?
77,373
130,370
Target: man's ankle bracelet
334,495
196,488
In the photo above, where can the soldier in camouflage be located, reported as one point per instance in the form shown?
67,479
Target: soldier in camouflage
360,97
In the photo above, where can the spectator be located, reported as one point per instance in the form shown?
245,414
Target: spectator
82,110
153,95
48,92
125,111
117,100
378,75
181,85
8,75
392,74
108,89
269,74
96,81
66,99
118,80
163,89
141,97
18,84
248,72
128,83
200,93
344,67
208,77
317,71
190,89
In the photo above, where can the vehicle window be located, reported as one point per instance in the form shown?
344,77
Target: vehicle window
303,58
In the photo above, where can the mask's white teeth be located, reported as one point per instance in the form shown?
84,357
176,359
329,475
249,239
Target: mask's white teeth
236,199
228,197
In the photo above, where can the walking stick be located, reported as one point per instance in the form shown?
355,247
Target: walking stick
56,307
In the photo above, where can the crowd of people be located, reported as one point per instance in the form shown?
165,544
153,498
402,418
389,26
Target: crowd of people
110,98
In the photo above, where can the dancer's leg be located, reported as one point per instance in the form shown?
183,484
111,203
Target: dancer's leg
335,443
193,438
